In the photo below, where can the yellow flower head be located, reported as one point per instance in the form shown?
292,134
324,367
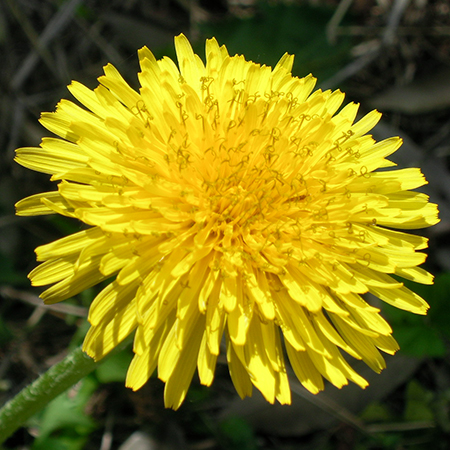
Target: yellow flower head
228,199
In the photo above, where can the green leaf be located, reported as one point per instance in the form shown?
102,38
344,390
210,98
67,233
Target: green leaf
114,368
238,433
65,441
419,340
66,415
423,335
418,403
279,28
376,412
438,296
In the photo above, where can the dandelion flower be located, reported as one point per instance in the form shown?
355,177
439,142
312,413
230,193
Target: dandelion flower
228,202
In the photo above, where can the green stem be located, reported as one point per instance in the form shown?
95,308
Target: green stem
49,385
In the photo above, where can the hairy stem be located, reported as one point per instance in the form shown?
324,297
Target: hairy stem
38,394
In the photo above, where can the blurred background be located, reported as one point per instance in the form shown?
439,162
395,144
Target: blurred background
392,55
